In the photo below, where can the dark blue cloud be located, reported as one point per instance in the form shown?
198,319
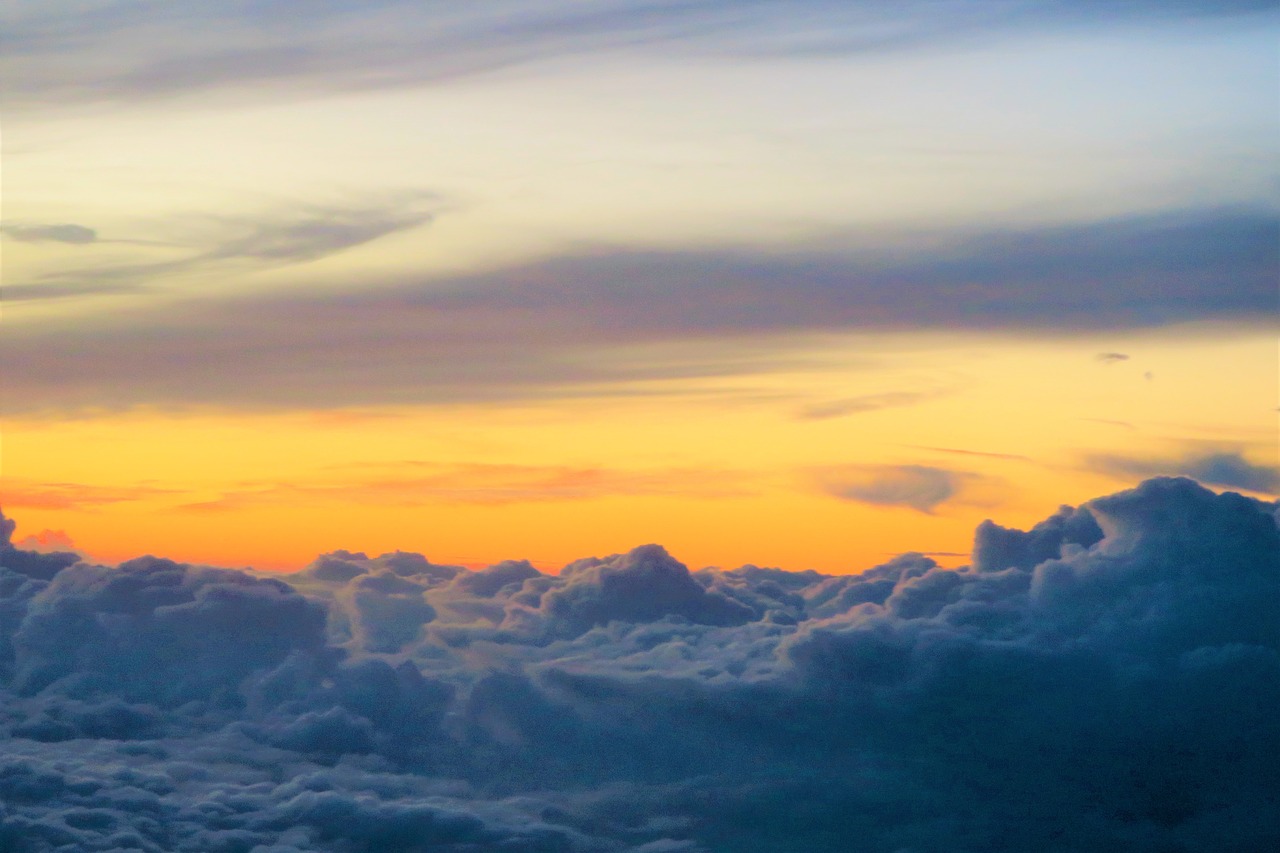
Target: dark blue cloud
1108,677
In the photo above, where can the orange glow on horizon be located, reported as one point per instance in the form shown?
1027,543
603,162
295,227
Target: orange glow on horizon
719,475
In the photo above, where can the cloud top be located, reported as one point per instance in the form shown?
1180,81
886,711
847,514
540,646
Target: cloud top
1085,680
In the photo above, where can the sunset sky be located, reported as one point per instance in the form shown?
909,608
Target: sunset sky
802,284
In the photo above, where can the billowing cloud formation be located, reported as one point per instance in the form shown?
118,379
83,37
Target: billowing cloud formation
567,325
1106,678
1219,468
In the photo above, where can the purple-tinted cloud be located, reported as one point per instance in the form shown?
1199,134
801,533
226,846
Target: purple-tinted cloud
575,324
126,51
1226,468
920,487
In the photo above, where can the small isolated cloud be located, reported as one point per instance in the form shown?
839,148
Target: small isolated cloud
62,232
920,487
1228,469
1111,357
864,403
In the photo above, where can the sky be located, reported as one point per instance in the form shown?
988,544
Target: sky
639,426
804,285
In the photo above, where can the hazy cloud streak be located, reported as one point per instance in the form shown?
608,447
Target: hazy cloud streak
137,50
573,324
1225,468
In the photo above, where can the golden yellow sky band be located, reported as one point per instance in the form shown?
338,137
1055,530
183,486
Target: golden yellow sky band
721,472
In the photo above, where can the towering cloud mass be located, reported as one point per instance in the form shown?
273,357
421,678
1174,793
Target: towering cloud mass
1106,680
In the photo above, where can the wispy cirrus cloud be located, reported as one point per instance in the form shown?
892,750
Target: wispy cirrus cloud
30,494
65,290
416,483
272,239
865,403
129,51
985,454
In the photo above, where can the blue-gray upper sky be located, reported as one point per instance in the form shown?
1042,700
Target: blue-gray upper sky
559,177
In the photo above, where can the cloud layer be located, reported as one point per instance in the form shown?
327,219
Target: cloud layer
1106,679
128,51
569,324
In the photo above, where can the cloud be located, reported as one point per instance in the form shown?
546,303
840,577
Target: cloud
864,403
41,292
1110,673
985,454
919,487
1111,357
313,234
1225,468
484,484
584,323
17,492
294,237
117,52
46,540
66,232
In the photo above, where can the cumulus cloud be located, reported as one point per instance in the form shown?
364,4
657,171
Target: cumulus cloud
575,324
46,540
1226,468
1107,677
